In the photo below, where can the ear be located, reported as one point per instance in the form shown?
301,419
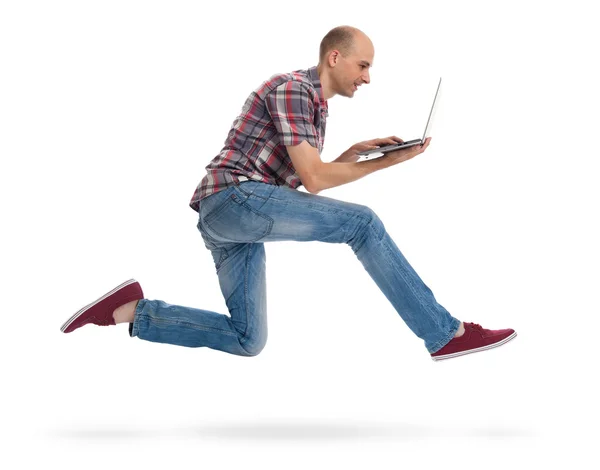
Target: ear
333,57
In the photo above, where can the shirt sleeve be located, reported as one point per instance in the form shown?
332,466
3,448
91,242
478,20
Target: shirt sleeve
292,110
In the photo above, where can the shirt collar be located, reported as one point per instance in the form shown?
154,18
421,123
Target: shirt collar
314,76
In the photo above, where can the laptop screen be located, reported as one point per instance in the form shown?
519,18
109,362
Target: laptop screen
429,124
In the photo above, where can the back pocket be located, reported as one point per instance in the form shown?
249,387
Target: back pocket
236,221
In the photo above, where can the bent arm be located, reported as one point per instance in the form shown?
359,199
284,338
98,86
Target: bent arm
317,175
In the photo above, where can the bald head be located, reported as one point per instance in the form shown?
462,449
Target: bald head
345,39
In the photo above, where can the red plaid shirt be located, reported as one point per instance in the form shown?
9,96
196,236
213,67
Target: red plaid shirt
284,110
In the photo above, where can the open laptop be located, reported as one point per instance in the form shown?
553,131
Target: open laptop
410,143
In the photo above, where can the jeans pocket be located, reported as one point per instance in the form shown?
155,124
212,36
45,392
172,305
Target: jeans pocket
235,220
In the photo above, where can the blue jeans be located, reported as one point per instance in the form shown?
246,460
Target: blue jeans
236,222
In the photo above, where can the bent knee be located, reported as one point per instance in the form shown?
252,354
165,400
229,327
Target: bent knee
368,216
368,224
253,351
253,346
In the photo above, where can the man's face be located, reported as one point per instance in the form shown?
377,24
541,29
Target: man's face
352,71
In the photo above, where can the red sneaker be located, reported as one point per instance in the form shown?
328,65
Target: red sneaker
474,339
100,312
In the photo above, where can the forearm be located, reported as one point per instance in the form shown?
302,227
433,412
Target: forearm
345,158
330,175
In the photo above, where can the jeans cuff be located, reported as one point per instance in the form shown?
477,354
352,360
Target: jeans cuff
134,327
447,339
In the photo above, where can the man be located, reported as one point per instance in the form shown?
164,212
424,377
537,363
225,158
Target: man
249,197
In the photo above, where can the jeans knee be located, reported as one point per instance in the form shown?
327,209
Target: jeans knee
368,221
253,350
253,345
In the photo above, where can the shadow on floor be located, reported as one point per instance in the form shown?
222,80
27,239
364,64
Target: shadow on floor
317,431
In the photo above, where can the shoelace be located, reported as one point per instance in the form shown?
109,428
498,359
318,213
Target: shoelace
476,326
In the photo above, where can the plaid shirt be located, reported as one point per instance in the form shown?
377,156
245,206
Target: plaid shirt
284,110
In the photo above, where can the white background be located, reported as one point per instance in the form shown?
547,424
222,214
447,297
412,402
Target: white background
109,112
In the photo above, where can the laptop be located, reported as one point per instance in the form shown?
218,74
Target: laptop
410,143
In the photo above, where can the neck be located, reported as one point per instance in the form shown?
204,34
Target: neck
325,83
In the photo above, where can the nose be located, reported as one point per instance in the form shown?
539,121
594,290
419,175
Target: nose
366,77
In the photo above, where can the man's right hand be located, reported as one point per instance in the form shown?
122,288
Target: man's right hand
401,155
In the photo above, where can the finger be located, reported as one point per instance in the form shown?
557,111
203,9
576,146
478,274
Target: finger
388,141
393,140
364,147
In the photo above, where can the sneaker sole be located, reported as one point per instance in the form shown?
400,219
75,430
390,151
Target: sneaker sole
87,307
469,351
